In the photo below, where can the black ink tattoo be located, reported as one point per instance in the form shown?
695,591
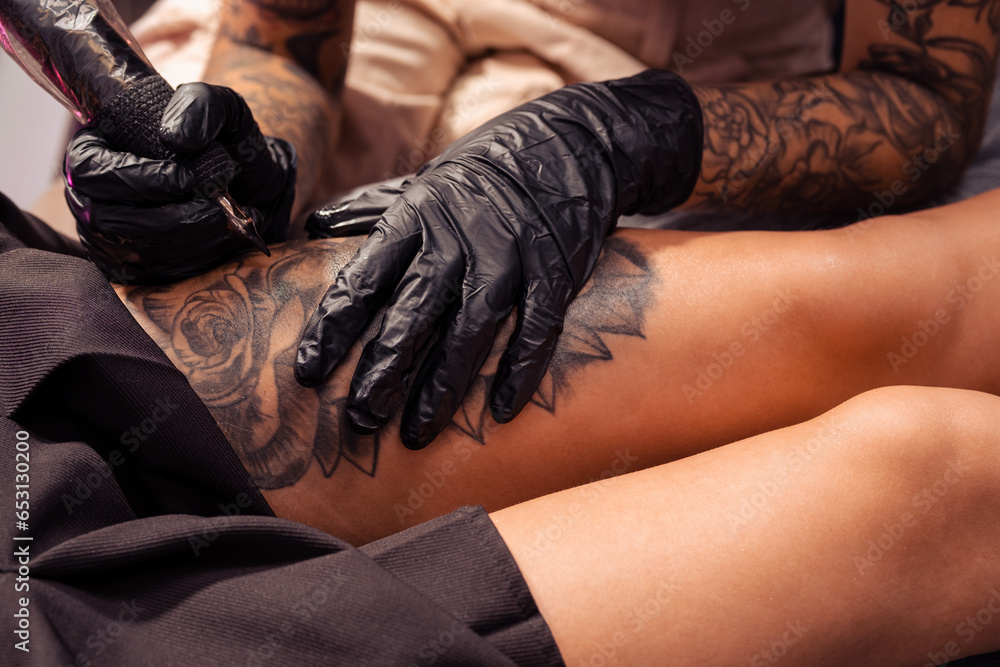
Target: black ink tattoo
251,36
223,338
615,305
298,31
284,58
832,141
235,340
299,10
287,102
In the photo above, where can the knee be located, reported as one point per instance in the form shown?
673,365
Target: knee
934,438
943,412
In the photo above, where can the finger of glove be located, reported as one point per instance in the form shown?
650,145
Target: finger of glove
357,211
200,113
97,171
363,285
527,357
130,225
453,365
432,282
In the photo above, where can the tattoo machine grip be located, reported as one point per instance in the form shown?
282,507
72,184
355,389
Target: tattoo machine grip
82,53
130,122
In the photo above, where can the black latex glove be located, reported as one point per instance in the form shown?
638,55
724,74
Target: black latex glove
512,214
148,221
356,211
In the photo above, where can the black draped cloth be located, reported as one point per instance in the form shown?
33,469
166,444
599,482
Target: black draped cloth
134,536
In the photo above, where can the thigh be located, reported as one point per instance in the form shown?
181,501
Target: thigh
864,536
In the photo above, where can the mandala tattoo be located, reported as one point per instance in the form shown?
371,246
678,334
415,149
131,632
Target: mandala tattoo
230,339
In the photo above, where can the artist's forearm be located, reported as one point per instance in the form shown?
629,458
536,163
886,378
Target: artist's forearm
287,103
834,142
313,34
288,60
896,125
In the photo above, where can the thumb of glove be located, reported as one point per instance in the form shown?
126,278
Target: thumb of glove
200,113
357,211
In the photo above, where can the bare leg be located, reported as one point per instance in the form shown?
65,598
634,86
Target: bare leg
867,536
815,318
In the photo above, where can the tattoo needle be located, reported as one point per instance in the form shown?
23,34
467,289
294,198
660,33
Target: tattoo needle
240,223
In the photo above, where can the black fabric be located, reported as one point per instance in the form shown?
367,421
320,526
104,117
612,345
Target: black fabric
105,588
113,565
482,586
22,229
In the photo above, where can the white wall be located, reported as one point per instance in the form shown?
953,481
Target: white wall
33,132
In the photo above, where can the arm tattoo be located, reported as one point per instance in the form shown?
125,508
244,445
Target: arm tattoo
306,51
282,56
303,31
287,102
299,10
909,120
236,337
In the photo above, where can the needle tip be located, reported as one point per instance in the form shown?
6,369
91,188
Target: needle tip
241,224
254,238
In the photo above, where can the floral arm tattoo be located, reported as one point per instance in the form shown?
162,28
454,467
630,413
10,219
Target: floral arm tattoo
234,335
901,120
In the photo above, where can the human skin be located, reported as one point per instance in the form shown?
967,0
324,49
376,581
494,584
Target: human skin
868,536
288,60
903,114
808,320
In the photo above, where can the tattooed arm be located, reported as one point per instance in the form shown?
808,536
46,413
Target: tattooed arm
288,59
902,118
776,328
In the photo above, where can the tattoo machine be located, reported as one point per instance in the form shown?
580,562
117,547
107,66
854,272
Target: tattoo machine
82,53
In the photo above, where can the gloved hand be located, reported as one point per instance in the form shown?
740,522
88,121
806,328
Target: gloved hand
514,213
148,221
356,211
